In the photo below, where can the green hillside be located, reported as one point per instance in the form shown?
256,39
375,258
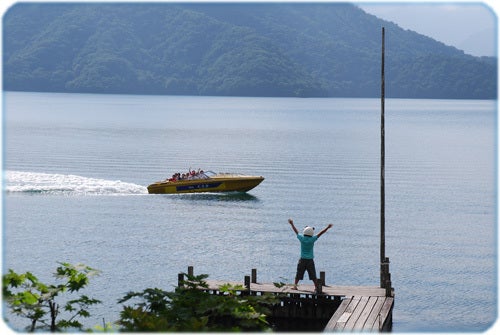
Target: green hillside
235,49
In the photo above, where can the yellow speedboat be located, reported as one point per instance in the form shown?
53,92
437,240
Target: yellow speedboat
206,182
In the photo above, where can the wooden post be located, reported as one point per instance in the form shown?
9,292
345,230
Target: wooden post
254,276
180,279
387,284
382,163
247,282
322,277
190,270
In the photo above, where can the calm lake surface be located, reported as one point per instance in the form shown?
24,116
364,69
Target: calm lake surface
76,168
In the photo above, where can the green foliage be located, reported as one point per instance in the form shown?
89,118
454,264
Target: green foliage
191,308
280,284
29,298
246,49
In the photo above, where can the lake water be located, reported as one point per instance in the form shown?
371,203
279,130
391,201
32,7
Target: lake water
76,169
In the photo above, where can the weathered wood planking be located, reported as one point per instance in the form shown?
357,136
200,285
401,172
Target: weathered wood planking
361,321
363,308
334,290
362,313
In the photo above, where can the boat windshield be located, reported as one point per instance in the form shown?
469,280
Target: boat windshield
210,174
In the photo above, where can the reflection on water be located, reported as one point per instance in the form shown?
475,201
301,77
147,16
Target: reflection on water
227,197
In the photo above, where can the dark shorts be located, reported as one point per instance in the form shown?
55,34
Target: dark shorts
302,266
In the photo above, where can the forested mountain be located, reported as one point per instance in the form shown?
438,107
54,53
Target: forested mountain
235,49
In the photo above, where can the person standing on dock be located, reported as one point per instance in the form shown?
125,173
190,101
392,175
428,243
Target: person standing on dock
306,261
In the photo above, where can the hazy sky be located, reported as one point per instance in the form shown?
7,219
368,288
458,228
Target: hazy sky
468,26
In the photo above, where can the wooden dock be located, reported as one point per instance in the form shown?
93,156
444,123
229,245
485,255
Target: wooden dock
362,313
361,308
337,308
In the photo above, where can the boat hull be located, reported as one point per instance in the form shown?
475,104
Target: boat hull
216,184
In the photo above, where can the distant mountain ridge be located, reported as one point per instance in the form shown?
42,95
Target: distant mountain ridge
233,49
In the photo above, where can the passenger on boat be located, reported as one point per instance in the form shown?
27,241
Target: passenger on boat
191,174
174,177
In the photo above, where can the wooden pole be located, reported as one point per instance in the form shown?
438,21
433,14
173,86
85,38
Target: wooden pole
247,282
322,277
382,165
180,280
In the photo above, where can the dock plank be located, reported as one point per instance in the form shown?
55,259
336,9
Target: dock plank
357,312
386,311
348,313
336,316
360,323
331,290
373,320
361,314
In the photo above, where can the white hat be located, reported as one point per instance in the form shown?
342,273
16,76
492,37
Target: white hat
308,231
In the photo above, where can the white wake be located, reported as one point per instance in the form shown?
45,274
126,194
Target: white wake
35,182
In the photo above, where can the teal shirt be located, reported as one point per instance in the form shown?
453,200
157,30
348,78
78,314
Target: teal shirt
307,246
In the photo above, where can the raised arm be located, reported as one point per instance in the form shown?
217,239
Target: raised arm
290,221
324,230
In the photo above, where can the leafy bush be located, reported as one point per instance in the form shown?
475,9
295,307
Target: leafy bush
191,308
29,298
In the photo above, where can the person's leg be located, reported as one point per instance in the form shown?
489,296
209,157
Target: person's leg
311,271
294,287
301,269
